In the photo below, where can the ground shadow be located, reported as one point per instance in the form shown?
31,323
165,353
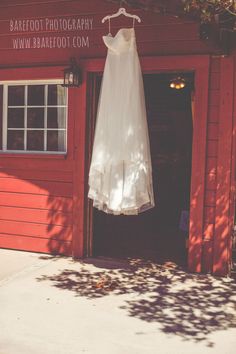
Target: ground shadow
188,305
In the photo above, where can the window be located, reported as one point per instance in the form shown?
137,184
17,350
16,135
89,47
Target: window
34,117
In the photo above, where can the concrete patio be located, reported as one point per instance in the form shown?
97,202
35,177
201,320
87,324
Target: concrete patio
55,305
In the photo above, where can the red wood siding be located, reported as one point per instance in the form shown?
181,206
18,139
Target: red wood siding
222,236
35,207
217,232
1,98
36,191
156,34
211,165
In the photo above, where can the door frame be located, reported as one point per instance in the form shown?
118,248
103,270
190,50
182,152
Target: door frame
225,189
199,65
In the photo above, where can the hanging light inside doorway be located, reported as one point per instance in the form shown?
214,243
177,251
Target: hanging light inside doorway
72,75
177,83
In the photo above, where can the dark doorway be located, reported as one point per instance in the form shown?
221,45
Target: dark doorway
159,233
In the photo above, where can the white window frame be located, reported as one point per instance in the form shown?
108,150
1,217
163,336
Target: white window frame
27,83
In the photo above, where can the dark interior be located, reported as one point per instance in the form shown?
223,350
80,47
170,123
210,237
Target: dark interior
159,233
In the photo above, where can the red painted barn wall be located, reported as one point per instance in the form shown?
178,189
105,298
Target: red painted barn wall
219,191
211,164
36,193
156,34
36,205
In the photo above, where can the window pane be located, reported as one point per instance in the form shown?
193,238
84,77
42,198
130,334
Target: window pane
56,95
35,118
36,95
15,118
35,140
15,140
16,95
1,108
56,141
32,119
56,118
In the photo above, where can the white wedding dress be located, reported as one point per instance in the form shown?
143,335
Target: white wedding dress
120,177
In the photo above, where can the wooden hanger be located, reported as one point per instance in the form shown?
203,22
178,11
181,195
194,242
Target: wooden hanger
121,11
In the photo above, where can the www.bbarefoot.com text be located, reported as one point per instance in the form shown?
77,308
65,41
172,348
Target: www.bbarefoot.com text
56,42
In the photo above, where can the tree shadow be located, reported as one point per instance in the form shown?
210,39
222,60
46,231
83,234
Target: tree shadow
190,306
60,213
37,208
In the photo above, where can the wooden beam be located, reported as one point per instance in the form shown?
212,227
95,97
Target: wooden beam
222,235
78,102
198,168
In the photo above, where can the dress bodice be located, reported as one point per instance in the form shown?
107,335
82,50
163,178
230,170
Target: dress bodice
123,41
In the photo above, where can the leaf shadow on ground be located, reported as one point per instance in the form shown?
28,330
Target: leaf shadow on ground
191,306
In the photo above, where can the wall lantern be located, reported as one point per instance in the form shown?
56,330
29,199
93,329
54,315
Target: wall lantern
177,83
72,75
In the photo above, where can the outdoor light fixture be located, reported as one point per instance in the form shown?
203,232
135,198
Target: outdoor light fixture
72,75
177,83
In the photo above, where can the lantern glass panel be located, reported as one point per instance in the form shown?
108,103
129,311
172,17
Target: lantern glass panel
72,76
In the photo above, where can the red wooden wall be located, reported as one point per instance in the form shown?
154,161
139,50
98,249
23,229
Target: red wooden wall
156,34
36,204
36,191
37,194
218,200
211,163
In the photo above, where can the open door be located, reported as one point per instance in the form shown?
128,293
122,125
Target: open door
159,233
